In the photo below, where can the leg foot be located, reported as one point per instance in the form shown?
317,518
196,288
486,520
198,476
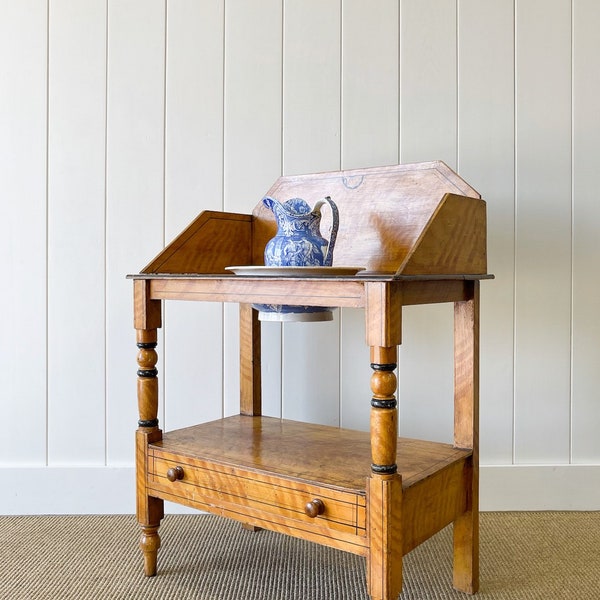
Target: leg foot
149,544
466,553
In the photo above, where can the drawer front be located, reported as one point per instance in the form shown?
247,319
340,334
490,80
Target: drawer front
255,494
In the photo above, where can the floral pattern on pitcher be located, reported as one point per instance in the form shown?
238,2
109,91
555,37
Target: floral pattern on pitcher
299,242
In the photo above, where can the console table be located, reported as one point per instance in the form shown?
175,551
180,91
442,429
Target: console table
420,232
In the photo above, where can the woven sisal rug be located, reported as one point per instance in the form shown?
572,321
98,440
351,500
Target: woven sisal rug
545,556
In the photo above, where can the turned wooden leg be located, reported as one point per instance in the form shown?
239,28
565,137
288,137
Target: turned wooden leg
149,545
466,435
384,487
149,509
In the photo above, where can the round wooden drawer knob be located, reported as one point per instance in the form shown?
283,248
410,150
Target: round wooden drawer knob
314,508
175,473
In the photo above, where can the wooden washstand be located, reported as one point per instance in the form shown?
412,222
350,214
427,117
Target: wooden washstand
420,231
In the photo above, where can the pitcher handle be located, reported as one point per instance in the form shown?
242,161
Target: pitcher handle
328,260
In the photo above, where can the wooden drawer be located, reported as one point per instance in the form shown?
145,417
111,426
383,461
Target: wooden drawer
255,496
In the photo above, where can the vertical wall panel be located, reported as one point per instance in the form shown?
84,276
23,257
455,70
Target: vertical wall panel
486,161
543,242
193,182
311,86
370,113
355,378
426,373
311,370
76,133
428,91
23,67
252,101
428,130
194,105
586,217
369,83
134,220
252,147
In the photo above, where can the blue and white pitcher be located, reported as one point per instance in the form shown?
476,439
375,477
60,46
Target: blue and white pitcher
299,242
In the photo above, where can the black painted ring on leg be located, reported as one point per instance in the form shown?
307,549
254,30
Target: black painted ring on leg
384,469
390,404
148,373
383,366
146,345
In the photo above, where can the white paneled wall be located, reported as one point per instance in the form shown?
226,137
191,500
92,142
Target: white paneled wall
120,120
486,154
23,238
543,246
428,126
76,233
135,158
585,441
193,170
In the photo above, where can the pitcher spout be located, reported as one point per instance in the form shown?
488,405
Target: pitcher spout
275,207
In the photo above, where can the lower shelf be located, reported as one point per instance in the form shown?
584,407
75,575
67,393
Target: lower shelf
263,471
